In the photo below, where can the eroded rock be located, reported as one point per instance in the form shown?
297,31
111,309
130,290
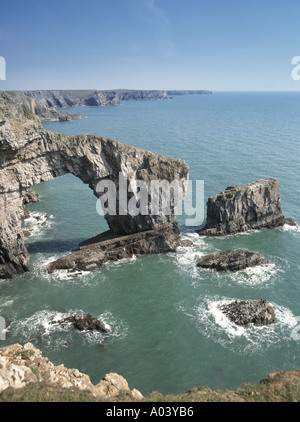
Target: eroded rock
29,155
232,260
85,322
256,312
108,246
237,209
21,365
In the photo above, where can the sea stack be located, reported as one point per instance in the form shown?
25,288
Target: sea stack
252,206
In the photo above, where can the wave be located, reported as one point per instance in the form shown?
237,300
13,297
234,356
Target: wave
38,224
43,327
288,228
187,257
214,324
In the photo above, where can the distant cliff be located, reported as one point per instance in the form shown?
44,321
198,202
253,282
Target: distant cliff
45,103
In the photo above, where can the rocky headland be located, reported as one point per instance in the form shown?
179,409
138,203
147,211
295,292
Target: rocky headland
252,206
30,155
47,104
21,366
25,375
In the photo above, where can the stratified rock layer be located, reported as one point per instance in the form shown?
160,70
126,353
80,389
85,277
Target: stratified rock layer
108,247
256,312
232,260
29,155
253,206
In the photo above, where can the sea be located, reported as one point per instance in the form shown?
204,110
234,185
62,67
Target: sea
167,333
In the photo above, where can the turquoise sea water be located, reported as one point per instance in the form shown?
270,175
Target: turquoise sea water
167,333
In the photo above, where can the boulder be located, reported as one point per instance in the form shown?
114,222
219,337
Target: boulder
256,312
237,209
85,322
231,260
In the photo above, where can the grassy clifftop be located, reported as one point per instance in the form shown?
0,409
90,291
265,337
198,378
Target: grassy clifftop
277,387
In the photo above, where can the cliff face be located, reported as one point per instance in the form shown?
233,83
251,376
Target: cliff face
253,206
29,155
45,103
23,365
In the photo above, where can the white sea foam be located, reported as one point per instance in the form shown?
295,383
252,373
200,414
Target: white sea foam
38,223
187,256
211,322
43,326
253,276
288,228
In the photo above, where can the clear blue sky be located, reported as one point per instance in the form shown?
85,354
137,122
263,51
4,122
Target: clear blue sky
150,44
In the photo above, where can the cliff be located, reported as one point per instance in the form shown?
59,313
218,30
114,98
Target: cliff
25,375
45,103
24,365
30,155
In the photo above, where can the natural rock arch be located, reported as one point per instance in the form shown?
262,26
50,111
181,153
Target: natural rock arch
30,155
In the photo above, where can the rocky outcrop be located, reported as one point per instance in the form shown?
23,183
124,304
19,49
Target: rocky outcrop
29,155
84,322
232,260
253,206
256,312
21,365
108,247
47,104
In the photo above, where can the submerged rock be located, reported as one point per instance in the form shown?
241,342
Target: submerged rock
253,206
232,260
257,312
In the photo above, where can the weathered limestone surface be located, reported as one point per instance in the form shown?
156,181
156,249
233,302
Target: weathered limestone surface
231,260
256,312
21,365
29,155
237,209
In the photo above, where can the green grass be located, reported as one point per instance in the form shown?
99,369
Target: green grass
284,387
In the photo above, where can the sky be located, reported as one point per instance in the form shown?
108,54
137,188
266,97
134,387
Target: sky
219,45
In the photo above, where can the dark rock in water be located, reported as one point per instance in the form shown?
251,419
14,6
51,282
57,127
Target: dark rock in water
257,312
290,222
186,243
85,322
108,246
231,260
253,206
30,196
